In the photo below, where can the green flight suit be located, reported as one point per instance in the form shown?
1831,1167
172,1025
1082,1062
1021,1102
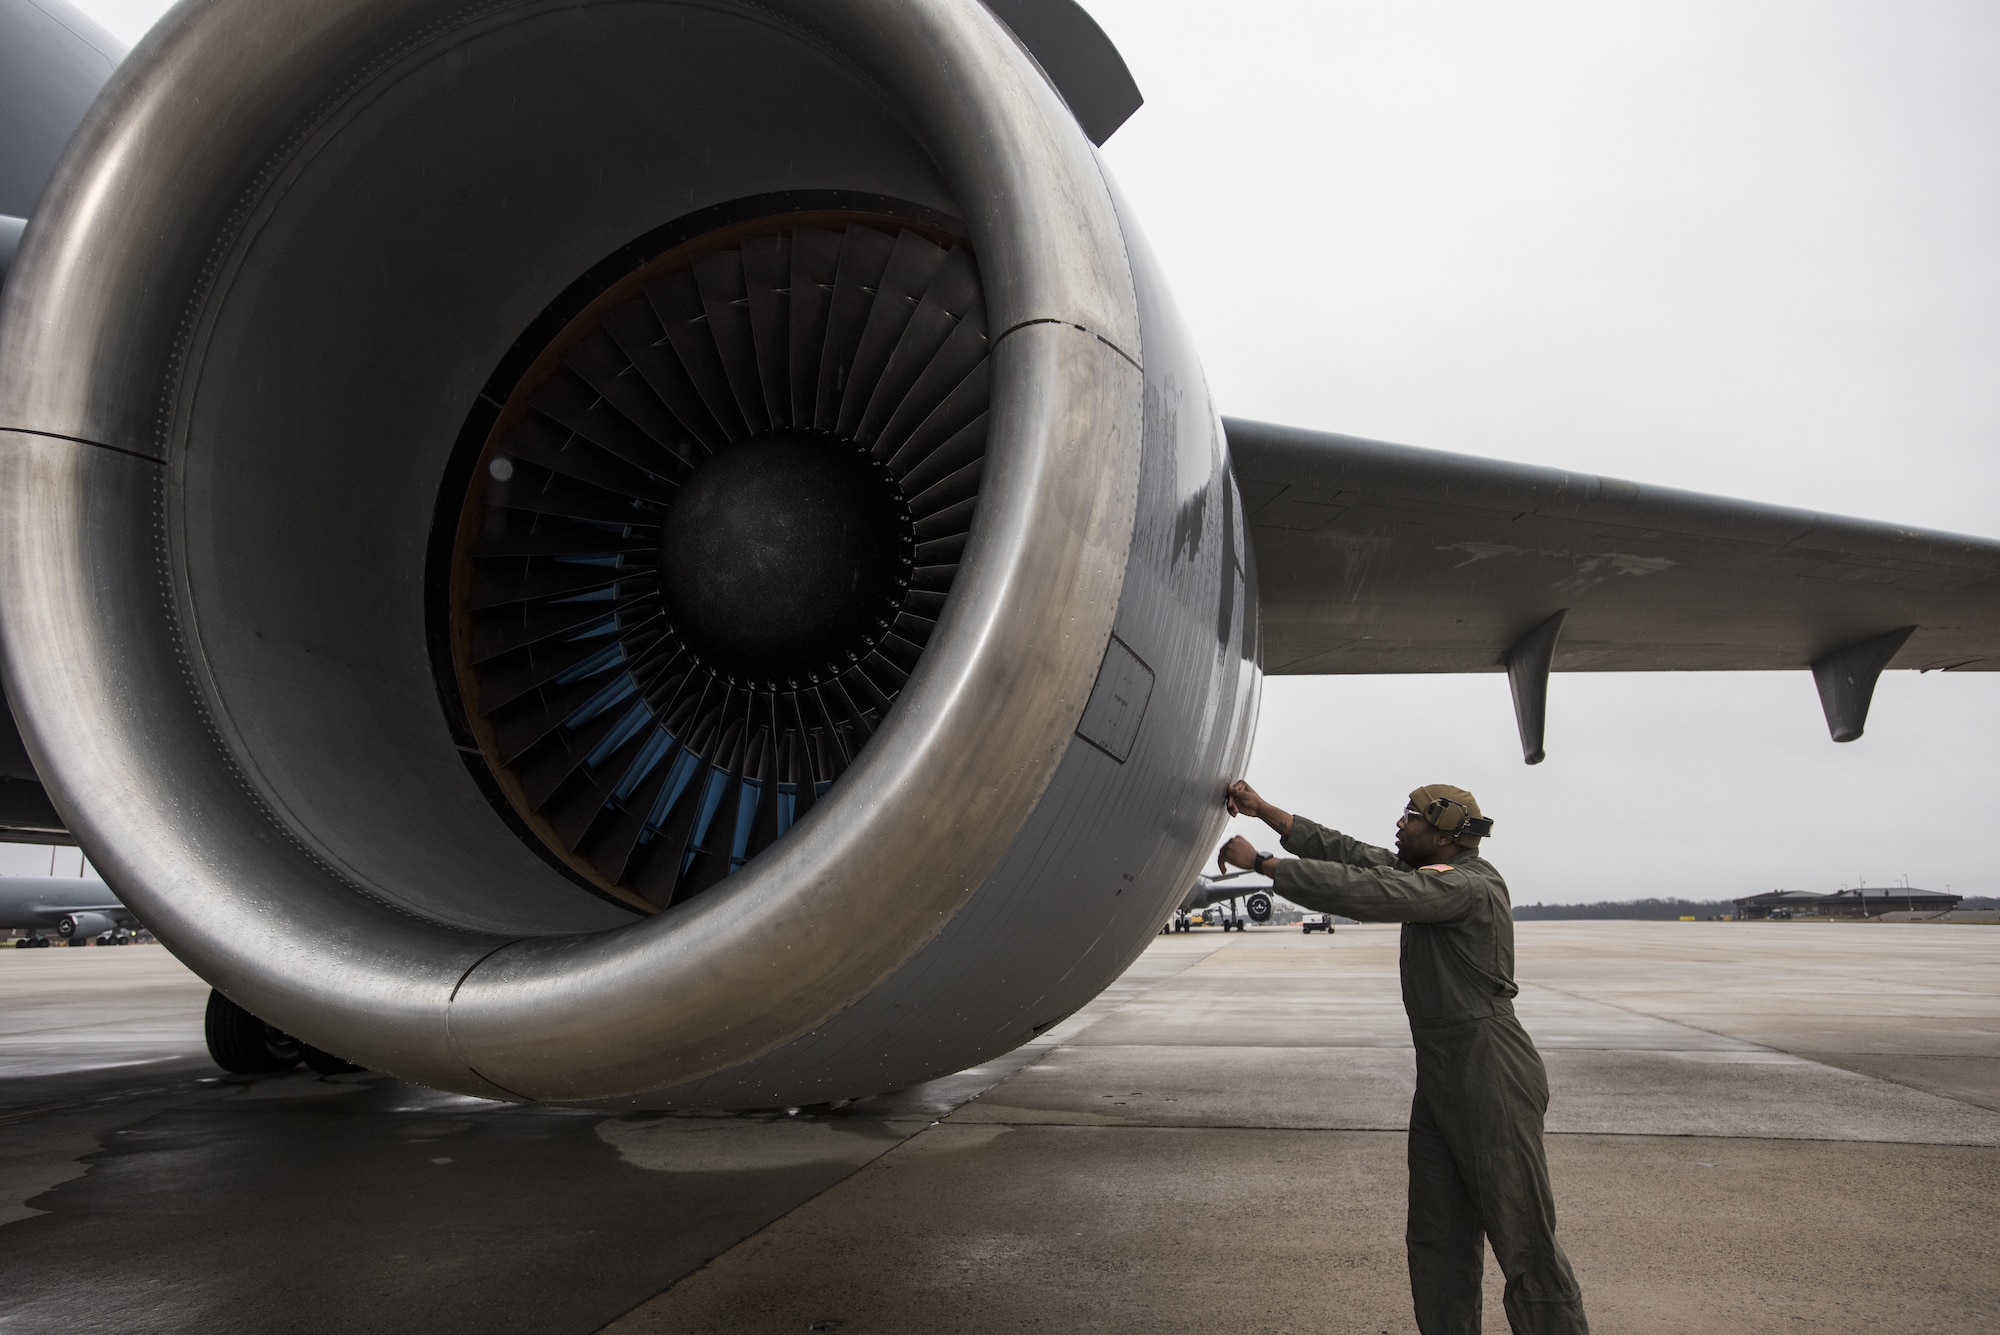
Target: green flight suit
1476,1161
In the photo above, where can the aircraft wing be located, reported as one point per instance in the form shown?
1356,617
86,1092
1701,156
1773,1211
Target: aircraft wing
1386,558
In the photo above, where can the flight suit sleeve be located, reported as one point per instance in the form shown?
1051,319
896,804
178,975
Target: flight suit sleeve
1310,839
1371,892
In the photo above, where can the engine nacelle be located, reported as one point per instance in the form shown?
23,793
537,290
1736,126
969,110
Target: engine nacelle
575,551
84,926
1258,906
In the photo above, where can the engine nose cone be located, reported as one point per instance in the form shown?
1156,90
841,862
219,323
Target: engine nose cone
783,559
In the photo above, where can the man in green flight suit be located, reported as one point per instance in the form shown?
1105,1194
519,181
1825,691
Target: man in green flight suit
1476,1161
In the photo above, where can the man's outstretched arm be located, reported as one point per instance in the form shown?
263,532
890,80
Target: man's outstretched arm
1302,837
1392,893
1383,891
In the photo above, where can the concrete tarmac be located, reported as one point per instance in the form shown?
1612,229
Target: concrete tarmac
1752,1127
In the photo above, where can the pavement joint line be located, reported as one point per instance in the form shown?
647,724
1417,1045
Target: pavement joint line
1811,1058
1404,1131
1825,1059
1815,1059
1648,1015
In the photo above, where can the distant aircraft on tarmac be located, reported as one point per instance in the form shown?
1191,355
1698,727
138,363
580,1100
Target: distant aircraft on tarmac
75,908
681,554
1208,891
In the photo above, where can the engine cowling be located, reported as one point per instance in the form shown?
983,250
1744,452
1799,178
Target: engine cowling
84,926
1258,906
580,552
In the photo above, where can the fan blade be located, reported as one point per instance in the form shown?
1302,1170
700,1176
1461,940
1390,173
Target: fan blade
637,332
520,725
507,679
572,813
535,489
541,770
505,629
864,254
764,820
610,847
912,265
838,756
714,843
602,364
718,277
676,301
815,265
518,579
515,533
964,405
660,875
952,292
548,444
952,519
966,446
963,352
957,489
571,400
767,266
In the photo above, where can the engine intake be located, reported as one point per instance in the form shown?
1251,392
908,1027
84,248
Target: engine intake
704,544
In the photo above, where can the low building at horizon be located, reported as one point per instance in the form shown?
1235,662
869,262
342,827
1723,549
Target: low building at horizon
1861,902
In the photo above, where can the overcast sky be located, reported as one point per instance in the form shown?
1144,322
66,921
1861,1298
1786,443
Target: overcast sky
1748,247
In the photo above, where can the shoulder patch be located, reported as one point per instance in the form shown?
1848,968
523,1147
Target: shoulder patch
1438,866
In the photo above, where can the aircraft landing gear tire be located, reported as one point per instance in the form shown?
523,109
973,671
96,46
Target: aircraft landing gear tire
325,1063
242,1044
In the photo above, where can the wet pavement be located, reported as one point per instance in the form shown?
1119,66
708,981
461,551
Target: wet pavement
1751,1126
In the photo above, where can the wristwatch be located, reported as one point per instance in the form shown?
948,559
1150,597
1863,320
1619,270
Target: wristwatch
1257,863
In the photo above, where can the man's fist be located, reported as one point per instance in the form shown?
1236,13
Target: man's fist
1238,852
1242,800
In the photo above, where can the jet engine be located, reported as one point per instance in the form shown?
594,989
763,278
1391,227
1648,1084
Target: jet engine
84,926
665,549
1258,905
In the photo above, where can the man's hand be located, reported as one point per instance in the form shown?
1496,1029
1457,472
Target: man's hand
1242,800
1238,852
